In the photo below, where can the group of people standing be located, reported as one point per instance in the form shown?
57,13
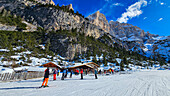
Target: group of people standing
56,72
110,71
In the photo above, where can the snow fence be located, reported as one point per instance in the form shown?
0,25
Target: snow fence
20,76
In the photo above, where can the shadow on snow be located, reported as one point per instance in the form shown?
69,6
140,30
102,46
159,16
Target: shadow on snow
18,88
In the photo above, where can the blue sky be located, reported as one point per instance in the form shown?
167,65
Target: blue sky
149,15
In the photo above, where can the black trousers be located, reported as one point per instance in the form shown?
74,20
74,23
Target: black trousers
62,78
71,75
65,75
81,76
96,76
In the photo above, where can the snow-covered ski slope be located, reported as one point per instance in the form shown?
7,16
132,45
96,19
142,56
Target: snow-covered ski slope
143,83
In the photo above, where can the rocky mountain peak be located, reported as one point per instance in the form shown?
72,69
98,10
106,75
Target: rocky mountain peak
98,16
70,7
100,20
46,1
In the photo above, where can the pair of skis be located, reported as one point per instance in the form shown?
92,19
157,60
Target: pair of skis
42,87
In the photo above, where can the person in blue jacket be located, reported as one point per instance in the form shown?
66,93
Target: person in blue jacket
95,72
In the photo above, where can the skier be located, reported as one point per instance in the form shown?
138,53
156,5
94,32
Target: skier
95,72
112,71
58,72
54,74
81,72
46,77
71,72
65,73
86,71
62,70
77,72
100,72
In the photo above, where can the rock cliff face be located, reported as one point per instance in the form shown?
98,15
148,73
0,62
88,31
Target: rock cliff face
51,18
100,20
122,31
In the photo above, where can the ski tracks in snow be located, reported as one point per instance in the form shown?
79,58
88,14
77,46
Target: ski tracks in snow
144,83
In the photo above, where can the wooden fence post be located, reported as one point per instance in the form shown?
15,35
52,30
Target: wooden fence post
5,76
12,77
25,76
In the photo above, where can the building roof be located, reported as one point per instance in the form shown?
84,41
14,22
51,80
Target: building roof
92,64
84,65
52,64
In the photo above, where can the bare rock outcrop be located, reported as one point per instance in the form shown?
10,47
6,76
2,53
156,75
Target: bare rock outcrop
100,20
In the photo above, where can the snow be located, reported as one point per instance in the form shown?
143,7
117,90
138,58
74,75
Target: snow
38,61
107,68
118,60
24,68
163,47
21,68
26,52
57,64
133,38
19,47
16,57
143,83
5,63
42,46
159,38
61,57
78,64
4,50
5,70
38,69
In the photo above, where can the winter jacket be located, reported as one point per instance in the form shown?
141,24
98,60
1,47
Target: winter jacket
64,71
81,71
55,72
47,73
95,71
77,71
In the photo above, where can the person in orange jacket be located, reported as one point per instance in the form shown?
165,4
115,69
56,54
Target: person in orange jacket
46,77
81,72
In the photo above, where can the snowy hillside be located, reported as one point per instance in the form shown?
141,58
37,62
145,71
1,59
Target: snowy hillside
160,45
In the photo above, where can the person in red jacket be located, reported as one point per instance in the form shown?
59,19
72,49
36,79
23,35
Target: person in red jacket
77,72
46,77
81,72
54,74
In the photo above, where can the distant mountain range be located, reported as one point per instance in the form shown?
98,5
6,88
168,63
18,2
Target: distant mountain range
147,44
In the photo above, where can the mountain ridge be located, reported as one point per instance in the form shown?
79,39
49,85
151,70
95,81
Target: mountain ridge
129,32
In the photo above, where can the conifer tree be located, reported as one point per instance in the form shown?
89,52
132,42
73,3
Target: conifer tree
47,45
122,66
